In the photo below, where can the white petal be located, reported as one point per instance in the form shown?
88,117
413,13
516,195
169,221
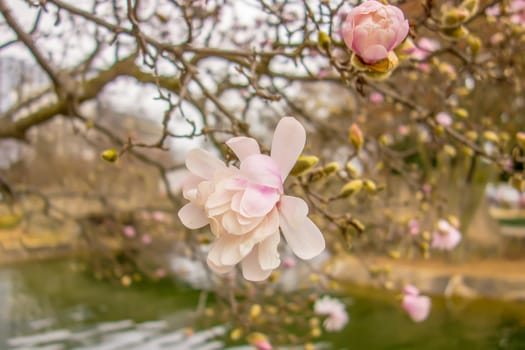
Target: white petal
287,144
303,236
230,223
226,250
219,268
202,163
295,210
268,226
193,216
189,186
243,146
251,269
218,198
268,253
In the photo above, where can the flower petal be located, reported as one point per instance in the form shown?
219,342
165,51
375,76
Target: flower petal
262,170
193,216
251,269
417,307
189,186
258,201
202,163
268,253
287,144
219,268
243,146
225,250
268,226
303,236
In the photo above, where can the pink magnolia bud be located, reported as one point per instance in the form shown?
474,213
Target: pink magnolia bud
416,306
129,231
371,30
356,136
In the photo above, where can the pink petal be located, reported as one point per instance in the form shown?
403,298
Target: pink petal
410,290
202,163
257,202
348,31
288,142
268,253
252,270
193,216
374,53
417,307
243,146
303,236
262,170
402,32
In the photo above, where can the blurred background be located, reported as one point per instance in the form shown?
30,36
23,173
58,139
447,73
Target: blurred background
100,101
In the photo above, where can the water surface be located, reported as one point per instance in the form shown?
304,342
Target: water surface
46,297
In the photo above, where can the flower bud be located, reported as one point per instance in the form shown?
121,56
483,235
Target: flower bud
454,33
460,112
303,164
356,136
371,30
351,187
406,48
520,137
110,155
323,39
454,17
352,171
379,70
470,5
491,136
471,135
370,185
255,311
330,168
450,150
467,151
474,43
236,334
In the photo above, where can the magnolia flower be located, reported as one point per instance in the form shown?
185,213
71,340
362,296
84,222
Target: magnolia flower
424,48
516,10
245,206
376,97
129,231
414,227
446,237
335,310
444,119
417,306
372,30
260,341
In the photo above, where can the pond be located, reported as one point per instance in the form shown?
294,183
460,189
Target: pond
53,305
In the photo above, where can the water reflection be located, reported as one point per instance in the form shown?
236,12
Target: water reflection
56,305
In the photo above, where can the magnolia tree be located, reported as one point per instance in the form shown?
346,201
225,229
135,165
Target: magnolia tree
381,114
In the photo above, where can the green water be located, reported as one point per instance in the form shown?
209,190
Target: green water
41,297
